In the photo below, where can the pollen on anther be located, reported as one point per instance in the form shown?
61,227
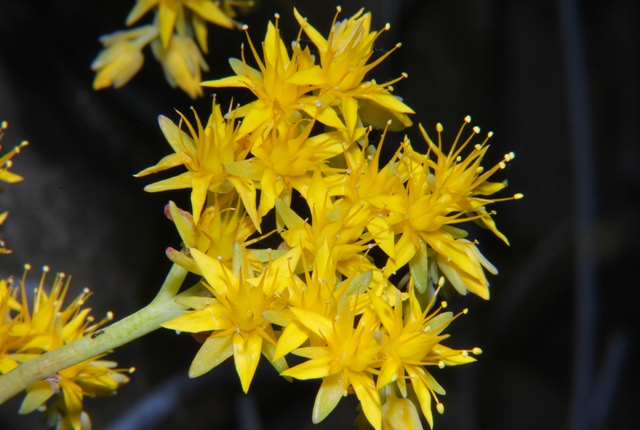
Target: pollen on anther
440,408
476,129
441,364
276,15
476,351
27,266
518,196
245,27
45,269
318,103
439,128
465,311
109,315
339,8
444,305
467,119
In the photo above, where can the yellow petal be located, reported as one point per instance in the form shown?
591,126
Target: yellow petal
330,393
311,369
176,183
319,324
247,348
216,274
369,398
383,235
36,397
171,160
214,351
292,337
141,7
209,318
211,12
167,20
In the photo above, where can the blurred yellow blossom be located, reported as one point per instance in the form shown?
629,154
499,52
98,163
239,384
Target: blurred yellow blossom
171,35
182,63
121,57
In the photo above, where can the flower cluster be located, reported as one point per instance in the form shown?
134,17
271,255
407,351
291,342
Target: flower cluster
27,332
7,176
178,36
351,287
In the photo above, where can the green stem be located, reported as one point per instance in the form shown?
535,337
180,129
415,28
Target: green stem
144,321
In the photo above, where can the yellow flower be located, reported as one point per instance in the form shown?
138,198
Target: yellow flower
235,315
7,176
339,226
5,160
182,62
411,340
438,193
278,98
205,154
319,292
343,66
348,360
169,11
220,229
283,159
121,57
91,378
27,333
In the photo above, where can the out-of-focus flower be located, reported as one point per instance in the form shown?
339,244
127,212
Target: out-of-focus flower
26,333
121,57
169,11
182,63
176,24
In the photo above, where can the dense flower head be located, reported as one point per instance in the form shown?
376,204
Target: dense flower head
328,291
27,331
178,36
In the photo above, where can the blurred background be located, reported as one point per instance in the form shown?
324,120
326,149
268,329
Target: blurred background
556,81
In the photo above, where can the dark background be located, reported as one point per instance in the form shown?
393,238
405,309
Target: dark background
559,88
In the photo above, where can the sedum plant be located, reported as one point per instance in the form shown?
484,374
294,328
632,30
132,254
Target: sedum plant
352,290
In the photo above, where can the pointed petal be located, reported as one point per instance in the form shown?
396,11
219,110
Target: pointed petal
330,393
369,398
214,351
311,369
247,348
